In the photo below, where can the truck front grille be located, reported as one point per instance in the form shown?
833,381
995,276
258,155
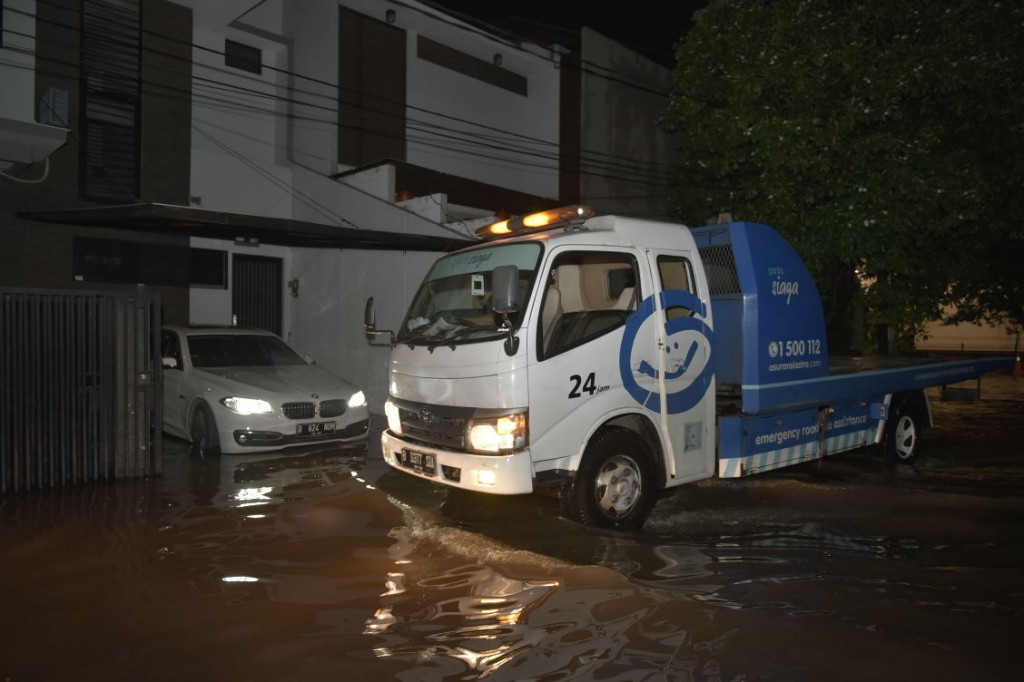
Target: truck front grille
443,427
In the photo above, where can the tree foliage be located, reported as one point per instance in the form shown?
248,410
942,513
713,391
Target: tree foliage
884,139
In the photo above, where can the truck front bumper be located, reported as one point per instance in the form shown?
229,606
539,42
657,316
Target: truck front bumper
495,474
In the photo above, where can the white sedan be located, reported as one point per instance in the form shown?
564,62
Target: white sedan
245,390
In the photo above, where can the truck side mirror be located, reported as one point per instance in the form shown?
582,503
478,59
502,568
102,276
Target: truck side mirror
507,299
370,324
508,295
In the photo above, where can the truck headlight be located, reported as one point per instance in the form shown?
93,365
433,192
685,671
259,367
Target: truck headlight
247,405
497,434
394,420
358,399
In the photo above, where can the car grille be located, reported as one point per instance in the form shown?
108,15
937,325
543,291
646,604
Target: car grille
328,408
424,425
299,410
333,408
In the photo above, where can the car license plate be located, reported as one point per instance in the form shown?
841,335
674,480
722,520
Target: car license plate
314,429
422,462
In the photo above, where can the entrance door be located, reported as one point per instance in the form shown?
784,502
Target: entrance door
256,292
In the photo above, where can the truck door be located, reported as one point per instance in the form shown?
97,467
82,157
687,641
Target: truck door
676,379
586,297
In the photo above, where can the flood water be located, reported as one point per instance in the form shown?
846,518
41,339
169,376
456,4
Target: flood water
325,566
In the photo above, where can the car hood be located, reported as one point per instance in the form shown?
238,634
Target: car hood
291,382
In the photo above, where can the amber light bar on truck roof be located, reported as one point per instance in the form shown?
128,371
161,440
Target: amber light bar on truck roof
535,221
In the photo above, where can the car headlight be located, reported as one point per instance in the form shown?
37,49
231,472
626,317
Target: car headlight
358,399
497,434
247,405
394,420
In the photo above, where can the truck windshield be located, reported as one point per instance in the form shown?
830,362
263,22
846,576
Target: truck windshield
453,305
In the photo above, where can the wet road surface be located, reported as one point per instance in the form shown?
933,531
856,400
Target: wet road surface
325,566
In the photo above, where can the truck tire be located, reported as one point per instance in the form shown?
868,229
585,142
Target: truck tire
902,433
203,432
615,485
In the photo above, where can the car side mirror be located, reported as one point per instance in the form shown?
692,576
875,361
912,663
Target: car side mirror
169,363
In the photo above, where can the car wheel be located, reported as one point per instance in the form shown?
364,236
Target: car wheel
902,432
615,484
204,433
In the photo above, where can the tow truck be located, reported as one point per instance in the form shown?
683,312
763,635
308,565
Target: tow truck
609,358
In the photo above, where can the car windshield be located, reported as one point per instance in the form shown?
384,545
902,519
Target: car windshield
240,350
453,304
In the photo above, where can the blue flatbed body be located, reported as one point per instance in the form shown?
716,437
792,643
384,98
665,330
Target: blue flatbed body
782,400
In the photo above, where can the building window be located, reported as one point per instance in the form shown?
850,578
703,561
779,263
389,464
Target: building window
244,57
208,268
371,90
121,262
488,72
110,100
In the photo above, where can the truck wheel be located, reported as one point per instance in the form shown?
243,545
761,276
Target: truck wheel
204,433
900,442
615,484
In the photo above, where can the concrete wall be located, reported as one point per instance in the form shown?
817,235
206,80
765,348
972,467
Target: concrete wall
312,28
966,338
327,321
627,160
460,125
239,120
252,132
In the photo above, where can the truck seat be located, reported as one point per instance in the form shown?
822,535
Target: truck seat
550,313
575,328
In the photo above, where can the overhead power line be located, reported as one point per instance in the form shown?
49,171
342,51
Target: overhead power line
339,89
476,144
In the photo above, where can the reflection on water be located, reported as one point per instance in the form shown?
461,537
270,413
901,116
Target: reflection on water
260,479
324,565
526,617
469,613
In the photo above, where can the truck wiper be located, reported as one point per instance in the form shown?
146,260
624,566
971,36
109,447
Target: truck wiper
421,339
450,339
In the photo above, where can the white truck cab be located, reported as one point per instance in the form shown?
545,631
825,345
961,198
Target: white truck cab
574,352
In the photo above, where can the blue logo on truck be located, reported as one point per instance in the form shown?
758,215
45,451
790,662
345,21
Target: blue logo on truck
688,379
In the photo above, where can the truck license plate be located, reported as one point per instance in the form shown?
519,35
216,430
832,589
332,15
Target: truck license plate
419,461
314,429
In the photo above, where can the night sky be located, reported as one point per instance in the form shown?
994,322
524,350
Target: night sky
651,25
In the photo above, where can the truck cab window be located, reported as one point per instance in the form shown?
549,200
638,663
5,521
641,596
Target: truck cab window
587,294
676,273
453,305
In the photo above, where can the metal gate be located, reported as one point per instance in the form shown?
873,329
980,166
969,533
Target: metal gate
79,387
